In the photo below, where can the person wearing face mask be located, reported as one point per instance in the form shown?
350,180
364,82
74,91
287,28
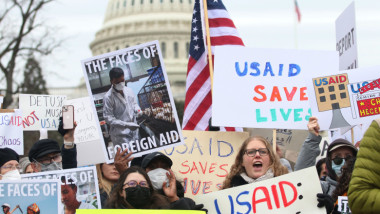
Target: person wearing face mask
9,165
121,110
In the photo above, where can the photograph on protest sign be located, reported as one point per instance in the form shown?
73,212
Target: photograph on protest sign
132,100
79,187
295,192
87,133
266,87
23,196
346,40
11,130
41,111
345,98
204,161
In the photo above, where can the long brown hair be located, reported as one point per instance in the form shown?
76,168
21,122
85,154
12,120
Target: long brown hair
104,184
344,179
237,168
116,201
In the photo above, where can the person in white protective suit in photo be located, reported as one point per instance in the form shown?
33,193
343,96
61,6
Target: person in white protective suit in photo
121,110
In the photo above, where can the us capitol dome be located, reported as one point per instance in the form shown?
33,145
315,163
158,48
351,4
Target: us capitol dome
132,22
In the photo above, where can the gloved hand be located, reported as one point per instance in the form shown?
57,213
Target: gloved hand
325,200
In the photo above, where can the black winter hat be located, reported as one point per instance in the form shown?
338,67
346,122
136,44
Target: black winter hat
42,148
155,155
7,154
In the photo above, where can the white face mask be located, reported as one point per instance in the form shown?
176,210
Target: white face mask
11,175
119,86
158,177
51,167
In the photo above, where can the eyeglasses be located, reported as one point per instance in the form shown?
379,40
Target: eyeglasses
49,160
11,167
134,183
339,160
252,152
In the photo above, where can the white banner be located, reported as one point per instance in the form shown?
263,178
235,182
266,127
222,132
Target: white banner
11,133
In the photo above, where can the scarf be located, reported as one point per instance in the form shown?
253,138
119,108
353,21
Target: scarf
267,175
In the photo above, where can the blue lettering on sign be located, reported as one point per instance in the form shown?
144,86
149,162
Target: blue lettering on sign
228,144
293,71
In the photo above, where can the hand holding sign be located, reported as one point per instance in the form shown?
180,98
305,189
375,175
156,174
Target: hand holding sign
313,126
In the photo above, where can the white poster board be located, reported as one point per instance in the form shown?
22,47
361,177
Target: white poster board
41,111
295,192
1,101
11,133
142,118
265,88
346,40
43,195
83,181
345,98
86,133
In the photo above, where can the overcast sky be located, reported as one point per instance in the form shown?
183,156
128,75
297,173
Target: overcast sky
262,24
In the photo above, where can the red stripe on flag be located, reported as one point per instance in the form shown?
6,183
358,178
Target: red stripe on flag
190,64
221,22
197,84
200,111
226,40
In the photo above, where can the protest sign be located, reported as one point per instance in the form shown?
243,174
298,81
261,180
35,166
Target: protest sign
343,205
11,134
136,110
265,88
203,162
41,111
43,195
1,101
77,185
87,133
346,40
139,211
345,98
295,192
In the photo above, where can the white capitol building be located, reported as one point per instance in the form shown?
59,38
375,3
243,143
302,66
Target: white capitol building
131,22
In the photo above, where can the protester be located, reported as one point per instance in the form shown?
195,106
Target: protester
121,110
255,161
107,178
337,153
33,209
364,189
46,155
9,166
321,169
134,190
69,197
6,207
25,165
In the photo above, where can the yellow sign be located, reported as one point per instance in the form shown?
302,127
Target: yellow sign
135,211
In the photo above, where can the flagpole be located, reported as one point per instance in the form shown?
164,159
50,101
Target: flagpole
210,65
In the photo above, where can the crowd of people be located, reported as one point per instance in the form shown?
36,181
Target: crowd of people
148,182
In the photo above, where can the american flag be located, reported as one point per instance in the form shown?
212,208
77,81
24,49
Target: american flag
198,85
298,12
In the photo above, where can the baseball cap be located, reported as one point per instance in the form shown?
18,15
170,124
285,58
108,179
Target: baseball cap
155,155
338,143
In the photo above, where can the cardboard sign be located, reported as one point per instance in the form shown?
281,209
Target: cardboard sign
346,40
41,111
203,162
139,112
80,184
139,211
295,192
265,88
345,98
43,195
11,134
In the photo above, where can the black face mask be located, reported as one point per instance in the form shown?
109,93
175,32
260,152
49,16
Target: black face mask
137,196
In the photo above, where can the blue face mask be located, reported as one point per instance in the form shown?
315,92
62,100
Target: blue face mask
337,168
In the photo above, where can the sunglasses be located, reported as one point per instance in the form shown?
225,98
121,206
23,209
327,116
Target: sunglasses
339,160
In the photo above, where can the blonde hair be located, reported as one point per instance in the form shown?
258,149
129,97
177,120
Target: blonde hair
237,168
104,184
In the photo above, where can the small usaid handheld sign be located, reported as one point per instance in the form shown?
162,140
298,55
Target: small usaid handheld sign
346,98
265,88
38,195
11,134
346,40
295,192
135,110
204,161
78,184
41,111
